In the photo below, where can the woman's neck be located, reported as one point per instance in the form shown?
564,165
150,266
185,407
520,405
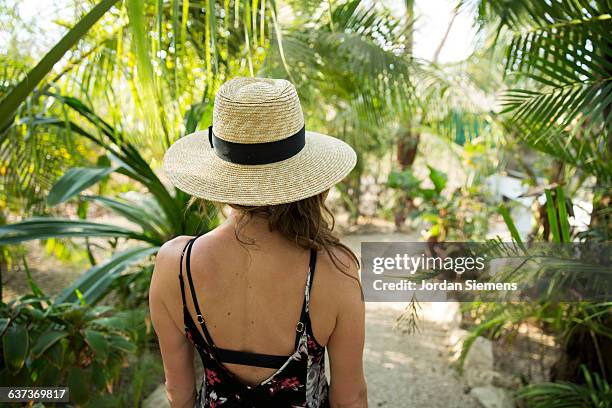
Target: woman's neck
251,225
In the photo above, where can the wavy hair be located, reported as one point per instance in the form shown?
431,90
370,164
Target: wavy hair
308,223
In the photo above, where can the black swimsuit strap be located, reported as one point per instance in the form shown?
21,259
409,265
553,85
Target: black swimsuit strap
196,305
251,359
182,282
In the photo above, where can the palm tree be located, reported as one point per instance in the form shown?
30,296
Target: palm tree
558,65
348,61
561,52
196,47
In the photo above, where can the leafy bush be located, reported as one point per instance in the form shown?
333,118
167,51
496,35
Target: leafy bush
65,344
158,216
462,216
595,393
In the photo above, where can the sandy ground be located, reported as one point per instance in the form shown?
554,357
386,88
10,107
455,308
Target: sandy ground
409,370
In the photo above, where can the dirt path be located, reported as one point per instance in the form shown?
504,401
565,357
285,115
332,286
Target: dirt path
409,370
403,369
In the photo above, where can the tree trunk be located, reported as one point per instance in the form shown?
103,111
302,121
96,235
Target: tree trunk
407,138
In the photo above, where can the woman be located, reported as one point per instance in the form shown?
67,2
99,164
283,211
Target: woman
262,296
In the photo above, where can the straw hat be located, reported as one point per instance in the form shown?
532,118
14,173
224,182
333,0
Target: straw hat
257,151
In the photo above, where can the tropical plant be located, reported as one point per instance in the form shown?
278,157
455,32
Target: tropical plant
581,327
559,76
595,393
408,187
196,46
11,102
158,218
559,57
46,343
350,66
460,216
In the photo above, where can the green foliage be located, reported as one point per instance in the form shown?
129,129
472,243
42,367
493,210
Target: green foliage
350,67
160,217
170,58
505,213
411,185
10,103
564,269
46,343
595,393
559,100
74,181
561,51
459,216
96,282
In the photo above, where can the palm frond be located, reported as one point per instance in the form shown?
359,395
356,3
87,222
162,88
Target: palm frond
560,61
11,102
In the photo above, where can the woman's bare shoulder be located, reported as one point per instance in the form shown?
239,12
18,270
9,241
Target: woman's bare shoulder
170,252
167,261
338,274
169,256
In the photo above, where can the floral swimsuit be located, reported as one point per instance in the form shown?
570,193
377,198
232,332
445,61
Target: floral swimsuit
298,382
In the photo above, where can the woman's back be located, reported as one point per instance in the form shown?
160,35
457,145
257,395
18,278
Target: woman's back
251,297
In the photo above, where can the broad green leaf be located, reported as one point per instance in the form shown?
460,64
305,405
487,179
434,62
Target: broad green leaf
96,282
49,374
56,355
98,376
46,340
74,181
134,213
428,193
121,343
18,95
115,322
438,179
15,347
34,313
98,343
78,382
49,227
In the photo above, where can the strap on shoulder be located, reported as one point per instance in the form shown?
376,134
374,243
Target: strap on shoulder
304,318
182,282
194,298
